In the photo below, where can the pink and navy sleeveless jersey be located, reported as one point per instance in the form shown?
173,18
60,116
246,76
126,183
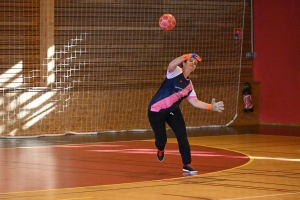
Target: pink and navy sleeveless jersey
172,91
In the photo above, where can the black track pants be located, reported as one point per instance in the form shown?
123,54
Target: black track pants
176,122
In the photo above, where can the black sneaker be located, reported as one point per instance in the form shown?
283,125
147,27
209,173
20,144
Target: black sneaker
189,169
160,155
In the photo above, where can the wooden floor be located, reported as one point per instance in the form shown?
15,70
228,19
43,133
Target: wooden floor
234,163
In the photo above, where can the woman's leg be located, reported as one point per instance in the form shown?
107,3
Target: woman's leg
177,124
157,122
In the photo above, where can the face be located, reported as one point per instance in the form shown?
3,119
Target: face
191,64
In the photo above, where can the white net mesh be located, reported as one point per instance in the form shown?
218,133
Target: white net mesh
106,59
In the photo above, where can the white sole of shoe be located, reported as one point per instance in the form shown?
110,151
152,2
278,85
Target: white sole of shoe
191,172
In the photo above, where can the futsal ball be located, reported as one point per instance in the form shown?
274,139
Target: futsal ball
167,22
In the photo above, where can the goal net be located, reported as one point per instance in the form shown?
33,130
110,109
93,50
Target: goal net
90,66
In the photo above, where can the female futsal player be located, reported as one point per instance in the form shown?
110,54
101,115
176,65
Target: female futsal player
164,107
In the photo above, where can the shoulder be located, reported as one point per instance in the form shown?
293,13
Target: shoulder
174,73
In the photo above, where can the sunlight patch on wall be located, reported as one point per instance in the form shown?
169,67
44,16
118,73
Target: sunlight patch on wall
12,77
51,65
39,101
26,96
13,132
2,129
40,114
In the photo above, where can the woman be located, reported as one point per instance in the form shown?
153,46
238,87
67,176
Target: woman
164,107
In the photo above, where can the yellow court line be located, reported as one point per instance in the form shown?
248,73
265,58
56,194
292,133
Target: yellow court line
78,198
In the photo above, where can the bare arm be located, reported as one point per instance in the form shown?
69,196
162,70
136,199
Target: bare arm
174,63
215,106
199,104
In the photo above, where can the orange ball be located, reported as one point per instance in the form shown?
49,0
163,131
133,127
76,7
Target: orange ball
167,22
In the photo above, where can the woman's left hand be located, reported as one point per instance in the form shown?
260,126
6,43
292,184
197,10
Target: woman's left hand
217,106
